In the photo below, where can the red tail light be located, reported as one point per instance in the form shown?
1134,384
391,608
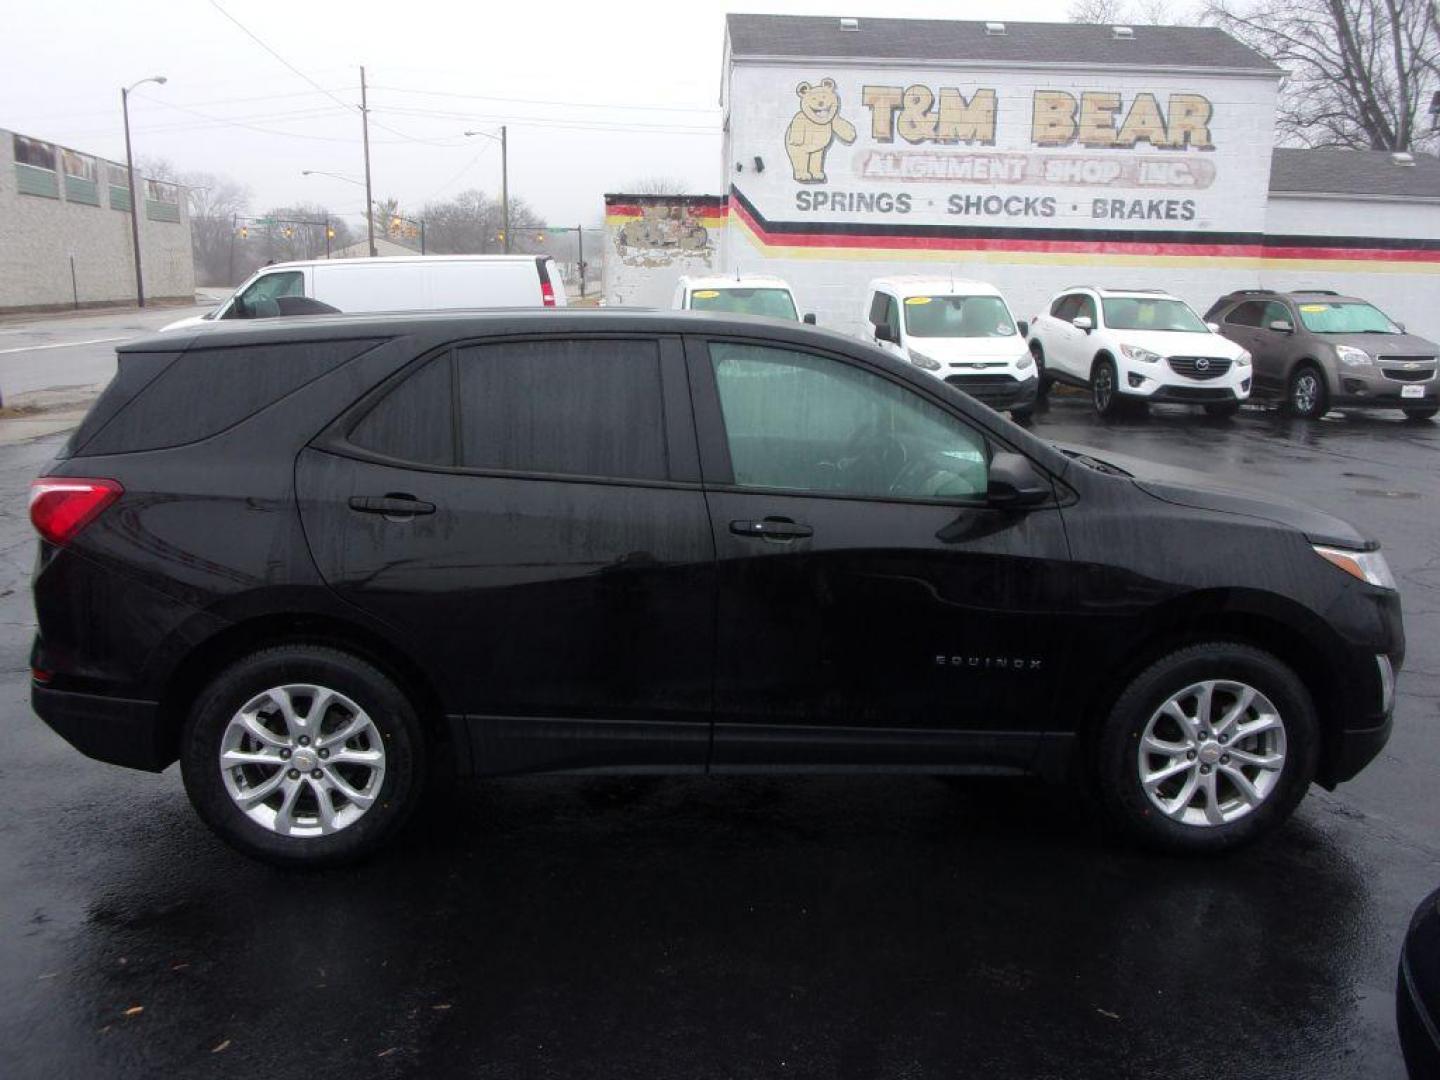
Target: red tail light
60,506
547,294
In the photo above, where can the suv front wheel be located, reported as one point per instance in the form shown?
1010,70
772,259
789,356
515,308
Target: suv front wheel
303,755
1306,396
1104,387
1208,748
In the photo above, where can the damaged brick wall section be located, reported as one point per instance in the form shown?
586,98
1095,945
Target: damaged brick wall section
654,240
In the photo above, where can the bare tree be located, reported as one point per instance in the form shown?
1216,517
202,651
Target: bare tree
471,224
1361,72
1131,13
655,185
215,202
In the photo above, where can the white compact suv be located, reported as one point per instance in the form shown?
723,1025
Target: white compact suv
961,332
1137,345
738,295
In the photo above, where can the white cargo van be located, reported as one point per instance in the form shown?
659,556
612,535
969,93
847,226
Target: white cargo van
961,332
403,283
738,295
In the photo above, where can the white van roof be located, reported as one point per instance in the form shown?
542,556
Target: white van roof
402,260
732,281
903,285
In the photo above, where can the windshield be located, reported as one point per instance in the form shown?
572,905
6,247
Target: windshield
773,302
1147,313
957,317
1346,318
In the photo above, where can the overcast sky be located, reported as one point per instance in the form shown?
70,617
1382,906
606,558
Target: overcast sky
637,83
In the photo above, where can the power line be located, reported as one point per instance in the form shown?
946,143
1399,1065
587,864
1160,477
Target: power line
541,121
248,33
550,101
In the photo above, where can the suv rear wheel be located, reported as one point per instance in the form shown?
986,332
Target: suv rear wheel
1042,389
1306,396
1208,748
303,755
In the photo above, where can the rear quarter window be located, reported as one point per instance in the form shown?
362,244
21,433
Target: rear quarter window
206,391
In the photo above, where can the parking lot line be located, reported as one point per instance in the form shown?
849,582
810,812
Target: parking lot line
65,344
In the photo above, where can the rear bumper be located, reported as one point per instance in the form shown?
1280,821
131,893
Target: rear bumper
120,731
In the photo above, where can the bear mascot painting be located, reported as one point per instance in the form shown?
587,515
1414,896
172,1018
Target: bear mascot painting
814,128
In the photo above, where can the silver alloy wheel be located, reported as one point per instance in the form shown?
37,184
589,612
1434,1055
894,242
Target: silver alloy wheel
302,760
1103,388
1212,753
1306,393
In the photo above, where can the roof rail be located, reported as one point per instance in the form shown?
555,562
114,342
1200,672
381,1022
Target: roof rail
1316,292
1112,288
1252,292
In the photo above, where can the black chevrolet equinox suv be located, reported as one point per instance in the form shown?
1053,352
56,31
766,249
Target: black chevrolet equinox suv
325,562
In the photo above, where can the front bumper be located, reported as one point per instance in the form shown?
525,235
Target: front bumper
1354,749
1139,384
1000,391
116,730
1378,392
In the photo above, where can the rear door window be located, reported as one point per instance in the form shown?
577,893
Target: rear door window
577,407
413,422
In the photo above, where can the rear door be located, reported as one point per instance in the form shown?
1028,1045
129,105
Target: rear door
873,609
526,515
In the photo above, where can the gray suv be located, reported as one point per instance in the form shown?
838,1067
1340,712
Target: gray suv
1318,350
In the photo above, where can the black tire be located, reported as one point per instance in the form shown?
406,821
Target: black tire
1118,766
1305,393
394,720
1042,389
1023,415
1222,410
1104,388
1415,416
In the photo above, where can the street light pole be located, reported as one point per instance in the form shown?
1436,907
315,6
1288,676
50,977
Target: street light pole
130,169
505,188
369,198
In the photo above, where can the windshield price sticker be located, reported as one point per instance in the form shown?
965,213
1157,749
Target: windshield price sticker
917,300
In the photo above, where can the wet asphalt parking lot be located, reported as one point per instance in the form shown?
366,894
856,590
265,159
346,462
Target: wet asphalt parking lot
654,927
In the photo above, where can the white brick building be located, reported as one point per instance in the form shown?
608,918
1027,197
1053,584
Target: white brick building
1043,155
61,209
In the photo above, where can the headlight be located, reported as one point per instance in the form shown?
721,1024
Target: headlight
1369,566
1353,357
1025,363
1145,356
921,360
1243,360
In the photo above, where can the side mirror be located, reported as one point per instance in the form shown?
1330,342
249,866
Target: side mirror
1015,482
1024,327
1282,326
809,318
1214,327
1083,322
1401,327
883,333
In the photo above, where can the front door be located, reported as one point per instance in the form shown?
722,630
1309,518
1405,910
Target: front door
527,517
870,602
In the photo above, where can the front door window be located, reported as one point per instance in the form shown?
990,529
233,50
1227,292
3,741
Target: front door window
799,422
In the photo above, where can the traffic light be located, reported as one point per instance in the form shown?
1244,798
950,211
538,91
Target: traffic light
244,232
289,232
540,237
330,232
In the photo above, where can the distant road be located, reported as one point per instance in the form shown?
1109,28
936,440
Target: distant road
48,353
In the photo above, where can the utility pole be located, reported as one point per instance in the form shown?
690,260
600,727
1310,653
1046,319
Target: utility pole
369,199
504,188
580,256
234,226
